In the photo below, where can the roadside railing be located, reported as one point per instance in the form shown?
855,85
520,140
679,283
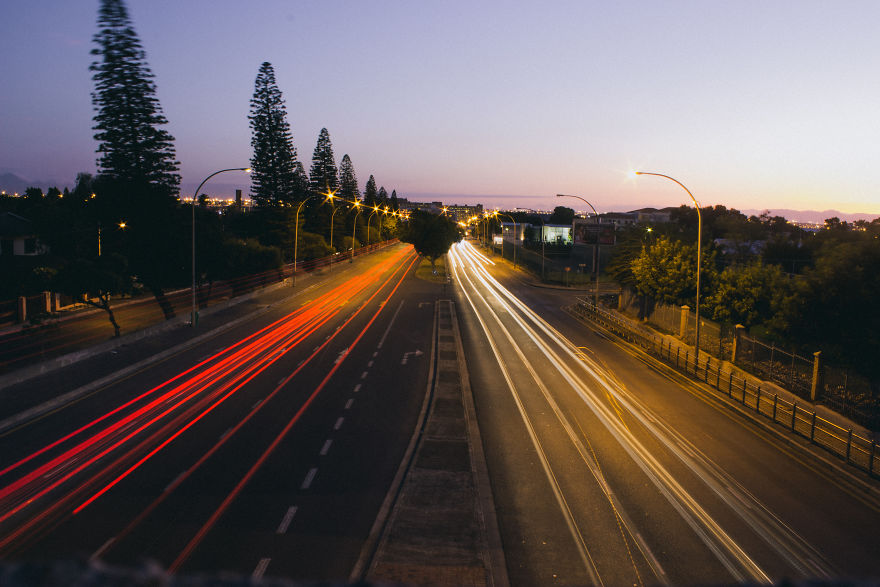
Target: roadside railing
55,335
798,418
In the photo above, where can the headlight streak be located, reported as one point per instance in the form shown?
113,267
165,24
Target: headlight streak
255,353
790,546
794,549
577,536
723,546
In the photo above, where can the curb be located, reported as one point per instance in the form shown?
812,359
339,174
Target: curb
48,366
441,527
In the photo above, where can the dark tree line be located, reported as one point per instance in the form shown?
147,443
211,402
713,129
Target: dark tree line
125,228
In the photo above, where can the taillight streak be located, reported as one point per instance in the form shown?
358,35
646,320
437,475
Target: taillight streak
255,353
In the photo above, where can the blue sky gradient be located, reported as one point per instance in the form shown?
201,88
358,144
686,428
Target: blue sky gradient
751,104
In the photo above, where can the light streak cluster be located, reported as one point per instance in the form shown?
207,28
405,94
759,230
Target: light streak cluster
39,491
554,363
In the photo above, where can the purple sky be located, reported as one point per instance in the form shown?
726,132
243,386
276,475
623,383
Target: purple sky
750,104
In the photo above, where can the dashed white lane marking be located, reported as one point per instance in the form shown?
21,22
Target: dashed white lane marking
338,424
370,364
261,568
375,354
357,388
364,375
326,448
286,520
225,434
310,476
348,404
256,405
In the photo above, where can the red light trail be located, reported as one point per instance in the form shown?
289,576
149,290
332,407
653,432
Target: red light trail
140,428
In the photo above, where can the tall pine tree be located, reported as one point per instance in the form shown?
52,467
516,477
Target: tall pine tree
273,180
136,157
301,181
137,167
324,175
348,184
370,193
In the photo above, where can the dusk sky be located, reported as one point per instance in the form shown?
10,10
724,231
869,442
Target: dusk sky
754,105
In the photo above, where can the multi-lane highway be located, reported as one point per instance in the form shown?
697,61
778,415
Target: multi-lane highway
269,448
266,450
610,470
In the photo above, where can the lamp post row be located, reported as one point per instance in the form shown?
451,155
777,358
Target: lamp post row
330,196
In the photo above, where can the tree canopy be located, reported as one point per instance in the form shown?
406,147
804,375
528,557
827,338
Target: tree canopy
431,234
275,179
134,151
324,176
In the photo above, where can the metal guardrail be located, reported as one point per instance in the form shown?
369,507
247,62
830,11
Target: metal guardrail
799,419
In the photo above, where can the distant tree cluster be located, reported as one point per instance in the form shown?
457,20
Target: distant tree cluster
813,291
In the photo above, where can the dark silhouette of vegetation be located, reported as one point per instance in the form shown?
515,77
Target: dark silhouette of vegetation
274,178
95,281
431,234
323,175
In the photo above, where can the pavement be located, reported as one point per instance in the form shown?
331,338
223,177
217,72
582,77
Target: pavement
438,524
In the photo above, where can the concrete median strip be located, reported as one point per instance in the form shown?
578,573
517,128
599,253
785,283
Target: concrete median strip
438,524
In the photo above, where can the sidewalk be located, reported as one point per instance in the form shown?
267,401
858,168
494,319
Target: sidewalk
31,391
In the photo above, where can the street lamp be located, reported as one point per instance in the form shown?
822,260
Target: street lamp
699,242
369,218
194,316
296,235
357,205
543,239
515,233
595,247
335,210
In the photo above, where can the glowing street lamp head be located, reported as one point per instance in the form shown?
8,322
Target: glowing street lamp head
248,170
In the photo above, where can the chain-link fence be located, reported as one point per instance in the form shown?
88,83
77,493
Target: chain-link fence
681,321
770,362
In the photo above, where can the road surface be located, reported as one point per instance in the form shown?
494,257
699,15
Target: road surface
610,470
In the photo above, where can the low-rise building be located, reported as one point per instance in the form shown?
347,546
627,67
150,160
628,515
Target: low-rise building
17,236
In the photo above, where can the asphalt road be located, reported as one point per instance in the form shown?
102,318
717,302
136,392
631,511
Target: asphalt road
265,450
610,469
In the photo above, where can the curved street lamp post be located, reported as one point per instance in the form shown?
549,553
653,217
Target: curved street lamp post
369,218
354,228
595,247
515,236
194,317
699,242
296,235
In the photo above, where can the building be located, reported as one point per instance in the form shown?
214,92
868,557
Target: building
462,213
17,236
432,207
